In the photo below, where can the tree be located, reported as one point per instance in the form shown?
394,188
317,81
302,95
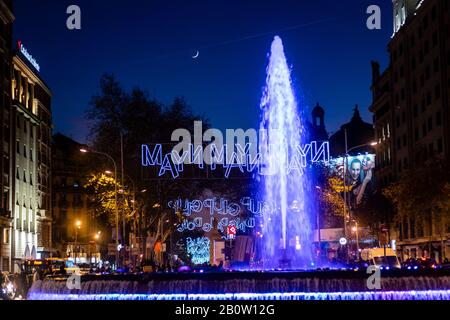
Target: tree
102,191
134,118
422,194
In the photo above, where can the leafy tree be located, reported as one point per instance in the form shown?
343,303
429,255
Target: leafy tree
102,191
423,194
132,119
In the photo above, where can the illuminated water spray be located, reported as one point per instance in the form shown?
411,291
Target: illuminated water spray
287,234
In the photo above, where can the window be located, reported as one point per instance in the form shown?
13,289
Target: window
399,143
438,119
6,236
430,124
416,111
437,92
18,147
436,65
424,130
440,145
416,134
429,98
25,126
404,140
426,47
31,178
24,175
435,39
405,163
403,117
18,121
399,166
25,151
431,149
428,72
397,120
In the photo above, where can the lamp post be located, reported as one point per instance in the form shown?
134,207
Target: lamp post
318,227
355,229
77,227
115,195
347,150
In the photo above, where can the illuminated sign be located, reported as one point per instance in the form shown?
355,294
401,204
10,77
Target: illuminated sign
225,212
28,56
234,157
357,172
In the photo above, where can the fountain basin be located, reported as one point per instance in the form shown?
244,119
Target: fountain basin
314,285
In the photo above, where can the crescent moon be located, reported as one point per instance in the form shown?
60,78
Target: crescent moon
195,56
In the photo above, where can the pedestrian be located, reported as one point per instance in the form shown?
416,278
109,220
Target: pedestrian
62,270
36,276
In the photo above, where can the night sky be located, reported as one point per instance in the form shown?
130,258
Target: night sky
150,44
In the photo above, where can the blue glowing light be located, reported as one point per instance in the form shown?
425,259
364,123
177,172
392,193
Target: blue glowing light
199,250
237,157
288,237
368,295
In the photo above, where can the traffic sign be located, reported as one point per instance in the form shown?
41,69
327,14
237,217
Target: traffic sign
343,241
231,230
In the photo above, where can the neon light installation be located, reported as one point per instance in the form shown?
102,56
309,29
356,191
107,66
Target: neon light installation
294,157
199,250
219,209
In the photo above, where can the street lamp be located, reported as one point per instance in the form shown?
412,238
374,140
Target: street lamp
318,225
355,229
77,227
83,150
347,150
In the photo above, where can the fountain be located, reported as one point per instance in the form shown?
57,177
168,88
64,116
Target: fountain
286,241
287,233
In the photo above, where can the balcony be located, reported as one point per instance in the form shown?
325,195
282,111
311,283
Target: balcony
5,147
5,214
6,180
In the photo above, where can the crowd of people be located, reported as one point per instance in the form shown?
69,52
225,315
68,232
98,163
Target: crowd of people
15,286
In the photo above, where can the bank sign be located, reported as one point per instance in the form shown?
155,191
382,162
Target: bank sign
23,50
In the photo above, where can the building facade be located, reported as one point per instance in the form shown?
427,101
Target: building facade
411,105
355,133
6,21
70,204
31,123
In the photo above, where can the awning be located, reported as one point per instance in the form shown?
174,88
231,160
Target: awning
47,250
